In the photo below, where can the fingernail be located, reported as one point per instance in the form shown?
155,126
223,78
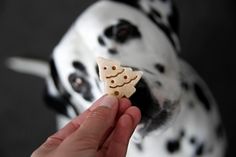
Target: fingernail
108,101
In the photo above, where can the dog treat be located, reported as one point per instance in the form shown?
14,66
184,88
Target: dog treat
118,80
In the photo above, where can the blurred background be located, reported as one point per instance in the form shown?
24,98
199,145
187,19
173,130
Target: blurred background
33,28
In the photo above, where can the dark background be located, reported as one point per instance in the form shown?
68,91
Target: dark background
33,28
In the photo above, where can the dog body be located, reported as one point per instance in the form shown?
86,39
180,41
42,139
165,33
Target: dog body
179,114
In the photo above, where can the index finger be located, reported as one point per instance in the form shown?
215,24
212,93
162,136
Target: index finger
75,123
124,104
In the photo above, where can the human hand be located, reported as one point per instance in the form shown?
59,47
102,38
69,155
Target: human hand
103,130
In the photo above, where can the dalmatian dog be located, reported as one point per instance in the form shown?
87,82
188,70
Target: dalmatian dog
179,115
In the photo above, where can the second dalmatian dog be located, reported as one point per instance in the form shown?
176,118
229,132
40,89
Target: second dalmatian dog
179,114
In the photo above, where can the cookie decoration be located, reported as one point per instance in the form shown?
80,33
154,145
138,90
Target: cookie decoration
119,81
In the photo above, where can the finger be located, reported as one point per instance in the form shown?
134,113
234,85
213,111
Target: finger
124,105
75,123
135,112
56,139
97,123
117,146
79,119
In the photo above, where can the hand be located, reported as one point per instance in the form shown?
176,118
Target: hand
103,130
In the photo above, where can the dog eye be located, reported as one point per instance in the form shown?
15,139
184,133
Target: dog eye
80,85
161,68
76,82
123,33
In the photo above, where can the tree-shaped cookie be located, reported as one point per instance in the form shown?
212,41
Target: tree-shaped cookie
118,80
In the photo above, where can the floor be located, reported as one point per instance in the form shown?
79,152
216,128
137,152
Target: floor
33,28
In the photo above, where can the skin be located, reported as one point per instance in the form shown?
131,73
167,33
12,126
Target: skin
103,130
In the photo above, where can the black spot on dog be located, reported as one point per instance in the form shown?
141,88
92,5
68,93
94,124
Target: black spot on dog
139,146
159,120
97,70
158,83
200,150
112,51
182,133
122,32
193,140
97,84
79,66
201,96
219,131
81,86
148,71
133,3
191,105
173,146
155,13
174,20
54,73
109,32
101,41
185,85
160,67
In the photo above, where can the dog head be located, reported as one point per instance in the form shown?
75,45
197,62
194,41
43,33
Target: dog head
138,37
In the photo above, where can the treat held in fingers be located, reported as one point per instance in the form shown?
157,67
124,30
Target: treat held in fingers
118,81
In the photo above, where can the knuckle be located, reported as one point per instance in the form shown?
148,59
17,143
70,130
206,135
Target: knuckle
101,114
51,142
87,143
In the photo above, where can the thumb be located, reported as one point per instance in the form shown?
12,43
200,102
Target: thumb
95,126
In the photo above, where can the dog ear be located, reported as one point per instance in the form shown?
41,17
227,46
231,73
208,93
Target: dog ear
174,19
56,103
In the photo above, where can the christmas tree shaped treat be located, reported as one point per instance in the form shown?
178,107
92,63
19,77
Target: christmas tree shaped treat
118,80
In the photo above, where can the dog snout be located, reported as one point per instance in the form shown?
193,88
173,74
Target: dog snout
144,99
